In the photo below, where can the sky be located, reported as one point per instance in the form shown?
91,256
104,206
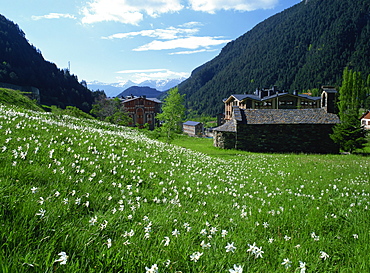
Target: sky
112,41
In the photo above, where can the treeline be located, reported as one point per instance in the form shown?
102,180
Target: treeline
303,47
22,64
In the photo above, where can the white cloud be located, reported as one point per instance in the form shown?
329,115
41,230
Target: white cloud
132,71
191,24
188,43
166,34
191,52
211,6
53,16
127,11
133,11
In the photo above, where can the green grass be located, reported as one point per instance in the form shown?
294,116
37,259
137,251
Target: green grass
15,97
108,197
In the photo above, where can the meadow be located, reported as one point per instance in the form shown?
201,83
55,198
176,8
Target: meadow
82,195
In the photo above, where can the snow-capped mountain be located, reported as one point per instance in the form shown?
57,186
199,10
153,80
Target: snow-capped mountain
162,85
113,89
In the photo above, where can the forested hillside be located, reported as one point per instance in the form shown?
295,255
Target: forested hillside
22,64
303,47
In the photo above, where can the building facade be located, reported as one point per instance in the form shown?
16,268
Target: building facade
193,128
275,99
279,130
142,110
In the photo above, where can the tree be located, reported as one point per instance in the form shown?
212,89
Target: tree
349,133
173,112
110,110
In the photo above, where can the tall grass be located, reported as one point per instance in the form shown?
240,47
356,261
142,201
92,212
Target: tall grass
115,201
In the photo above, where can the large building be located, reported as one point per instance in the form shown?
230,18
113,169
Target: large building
272,99
304,130
142,110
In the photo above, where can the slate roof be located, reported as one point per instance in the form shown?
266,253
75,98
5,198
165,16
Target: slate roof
244,96
191,123
228,126
290,116
278,116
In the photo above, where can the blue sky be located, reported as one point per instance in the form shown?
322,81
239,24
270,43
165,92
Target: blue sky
118,40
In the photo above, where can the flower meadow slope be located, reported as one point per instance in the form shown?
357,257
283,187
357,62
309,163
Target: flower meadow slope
86,196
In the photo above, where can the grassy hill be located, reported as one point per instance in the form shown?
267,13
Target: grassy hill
86,196
15,97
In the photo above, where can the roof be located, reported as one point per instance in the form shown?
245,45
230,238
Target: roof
278,116
290,116
191,123
241,97
366,115
151,99
228,126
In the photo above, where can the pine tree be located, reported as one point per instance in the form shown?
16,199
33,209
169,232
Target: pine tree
349,134
173,112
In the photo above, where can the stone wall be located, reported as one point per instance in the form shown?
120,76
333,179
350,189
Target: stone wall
224,140
286,138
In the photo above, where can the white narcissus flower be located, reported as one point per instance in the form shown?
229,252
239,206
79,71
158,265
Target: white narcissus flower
323,255
153,269
109,243
63,258
237,269
195,256
230,247
286,262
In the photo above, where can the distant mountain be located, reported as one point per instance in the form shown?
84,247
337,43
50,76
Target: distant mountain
140,91
23,65
303,47
113,89
162,85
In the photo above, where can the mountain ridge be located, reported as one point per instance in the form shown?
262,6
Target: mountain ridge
22,64
302,47
113,89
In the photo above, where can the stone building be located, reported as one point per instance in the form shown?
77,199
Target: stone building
271,99
280,130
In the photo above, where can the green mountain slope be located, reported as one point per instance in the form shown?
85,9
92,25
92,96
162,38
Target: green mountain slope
14,97
303,47
22,64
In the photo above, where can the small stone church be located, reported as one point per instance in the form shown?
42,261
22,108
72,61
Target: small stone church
304,130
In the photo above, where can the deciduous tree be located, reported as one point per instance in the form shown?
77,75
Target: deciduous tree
349,133
173,112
